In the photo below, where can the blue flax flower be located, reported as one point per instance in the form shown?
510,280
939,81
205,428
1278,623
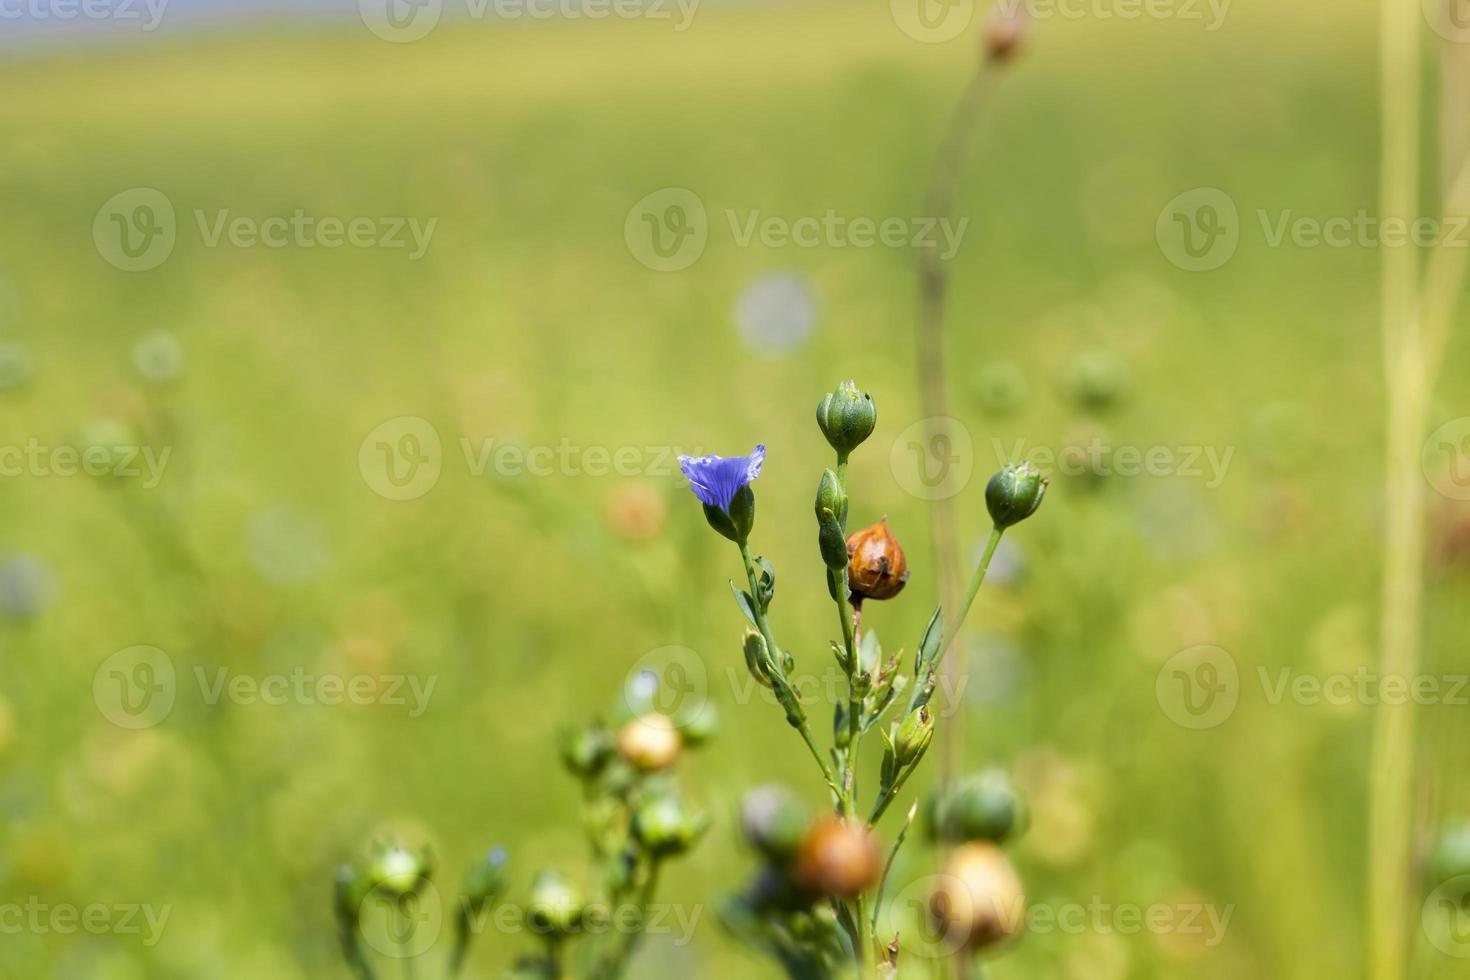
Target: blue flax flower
716,480
722,484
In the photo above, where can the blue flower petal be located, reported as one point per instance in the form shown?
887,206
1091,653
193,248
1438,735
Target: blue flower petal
716,479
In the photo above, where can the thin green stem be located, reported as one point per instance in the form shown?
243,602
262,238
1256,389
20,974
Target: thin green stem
888,867
764,626
975,581
848,800
865,939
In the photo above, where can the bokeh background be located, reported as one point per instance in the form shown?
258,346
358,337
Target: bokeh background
533,319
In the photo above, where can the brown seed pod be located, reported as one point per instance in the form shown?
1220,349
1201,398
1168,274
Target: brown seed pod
876,566
650,743
979,901
1005,33
836,859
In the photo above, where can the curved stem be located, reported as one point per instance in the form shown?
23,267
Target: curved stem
804,728
933,386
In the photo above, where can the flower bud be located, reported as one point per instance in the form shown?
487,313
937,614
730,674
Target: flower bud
757,659
837,859
1096,380
650,743
556,906
398,870
586,751
831,510
701,726
1014,493
666,826
914,736
846,417
486,878
983,807
876,566
774,821
979,901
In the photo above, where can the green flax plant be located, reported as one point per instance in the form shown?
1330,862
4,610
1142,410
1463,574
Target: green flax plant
815,909
636,820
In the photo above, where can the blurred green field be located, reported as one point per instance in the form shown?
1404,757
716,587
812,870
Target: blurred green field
528,599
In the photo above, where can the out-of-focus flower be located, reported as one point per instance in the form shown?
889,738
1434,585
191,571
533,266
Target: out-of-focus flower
586,750
666,826
1001,388
1096,380
722,484
979,900
285,547
635,511
1060,794
399,870
556,906
109,438
650,743
837,859
876,566
25,587
774,821
158,357
985,806
776,313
